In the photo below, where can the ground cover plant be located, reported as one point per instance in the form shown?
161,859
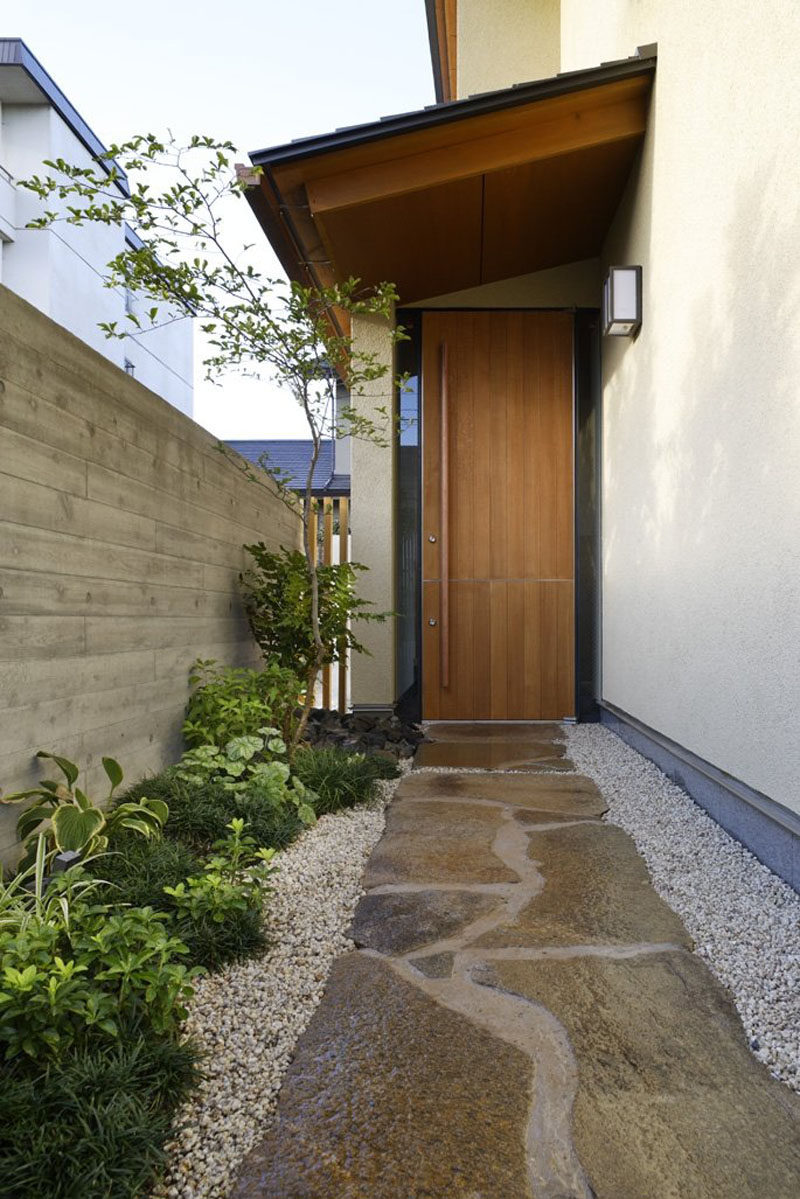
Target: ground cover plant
340,779
95,1123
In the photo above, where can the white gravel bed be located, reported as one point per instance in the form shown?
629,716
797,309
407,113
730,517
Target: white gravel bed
248,1018
744,919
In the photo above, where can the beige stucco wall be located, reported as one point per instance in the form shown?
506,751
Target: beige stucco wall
501,42
372,520
701,485
576,285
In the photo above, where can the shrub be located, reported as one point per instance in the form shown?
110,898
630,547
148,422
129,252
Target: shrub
277,597
233,702
96,1123
340,779
74,969
219,910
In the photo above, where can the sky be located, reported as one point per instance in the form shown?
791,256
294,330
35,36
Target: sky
255,72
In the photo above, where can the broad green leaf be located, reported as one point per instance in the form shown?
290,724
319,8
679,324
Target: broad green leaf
158,808
69,769
29,819
114,771
74,829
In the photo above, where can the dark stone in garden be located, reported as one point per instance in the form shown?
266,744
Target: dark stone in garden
388,736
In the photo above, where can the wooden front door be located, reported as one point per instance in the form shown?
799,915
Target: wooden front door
498,532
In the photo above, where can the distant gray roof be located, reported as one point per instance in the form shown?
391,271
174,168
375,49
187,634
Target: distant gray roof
294,456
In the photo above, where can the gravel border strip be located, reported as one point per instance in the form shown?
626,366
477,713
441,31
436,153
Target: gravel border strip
744,919
248,1018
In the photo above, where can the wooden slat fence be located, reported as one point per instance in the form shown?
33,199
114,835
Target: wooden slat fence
330,536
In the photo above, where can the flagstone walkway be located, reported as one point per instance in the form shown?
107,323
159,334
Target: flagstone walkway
523,1017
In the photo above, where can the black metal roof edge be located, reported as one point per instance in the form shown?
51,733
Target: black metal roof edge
456,110
433,42
14,52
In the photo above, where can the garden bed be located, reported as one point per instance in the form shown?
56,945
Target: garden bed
171,958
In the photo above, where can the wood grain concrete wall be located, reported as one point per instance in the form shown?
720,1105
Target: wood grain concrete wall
121,534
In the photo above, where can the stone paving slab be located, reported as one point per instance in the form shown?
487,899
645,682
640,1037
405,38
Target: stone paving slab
438,843
494,731
400,922
435,965
669,1102
391,1096
596,892
572,793
528,756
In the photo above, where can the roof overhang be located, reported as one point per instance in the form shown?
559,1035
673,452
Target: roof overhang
459,194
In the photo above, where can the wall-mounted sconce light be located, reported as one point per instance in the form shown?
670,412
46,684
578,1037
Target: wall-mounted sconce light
622,301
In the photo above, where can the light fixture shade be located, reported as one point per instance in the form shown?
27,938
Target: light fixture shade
622,301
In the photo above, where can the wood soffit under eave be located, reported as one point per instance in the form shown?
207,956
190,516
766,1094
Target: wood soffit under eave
310,190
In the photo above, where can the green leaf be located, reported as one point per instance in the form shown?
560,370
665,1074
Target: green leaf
69,769
138,826
158,808
113,770
31,818
75,829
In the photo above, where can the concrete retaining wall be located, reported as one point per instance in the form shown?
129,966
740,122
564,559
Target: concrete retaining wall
121,533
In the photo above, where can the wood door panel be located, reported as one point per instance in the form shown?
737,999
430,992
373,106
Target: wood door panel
510,651
510,529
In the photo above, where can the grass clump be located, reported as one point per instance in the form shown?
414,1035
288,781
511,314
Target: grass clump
138,870
199,813
96,1124
340,779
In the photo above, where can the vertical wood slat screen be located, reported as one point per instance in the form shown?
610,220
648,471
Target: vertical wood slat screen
329,549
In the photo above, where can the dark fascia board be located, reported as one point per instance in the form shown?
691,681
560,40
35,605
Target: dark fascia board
433,41
642,63
14,53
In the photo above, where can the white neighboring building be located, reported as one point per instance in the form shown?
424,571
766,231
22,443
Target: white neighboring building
60,270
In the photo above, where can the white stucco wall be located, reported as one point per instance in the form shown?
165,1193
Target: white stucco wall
701,481
372,520
501,42
60,270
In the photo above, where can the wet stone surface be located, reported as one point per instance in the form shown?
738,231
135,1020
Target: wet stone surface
391,1096
669,1102
530,817
571,794
596,891
398,923
436,965
438,843
493,755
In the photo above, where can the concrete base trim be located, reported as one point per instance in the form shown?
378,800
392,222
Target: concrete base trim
373,710
770,831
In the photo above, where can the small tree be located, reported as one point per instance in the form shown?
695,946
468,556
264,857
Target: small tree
254,324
